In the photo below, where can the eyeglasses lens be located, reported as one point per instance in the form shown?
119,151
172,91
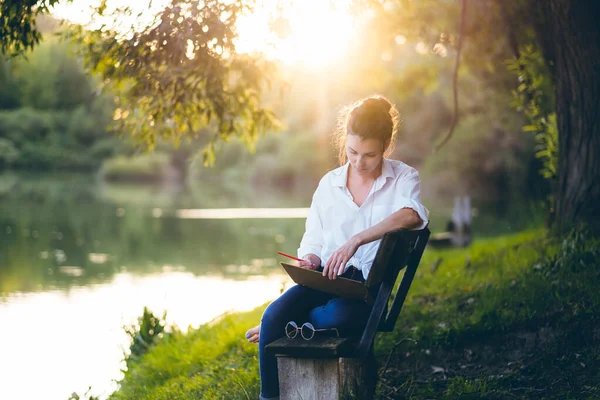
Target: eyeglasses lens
291,329
307,331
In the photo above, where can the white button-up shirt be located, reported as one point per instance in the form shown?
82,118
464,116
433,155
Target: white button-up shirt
334,217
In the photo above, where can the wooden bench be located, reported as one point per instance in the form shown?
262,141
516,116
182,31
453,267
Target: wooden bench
344,368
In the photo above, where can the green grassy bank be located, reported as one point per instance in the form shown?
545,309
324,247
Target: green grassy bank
510,317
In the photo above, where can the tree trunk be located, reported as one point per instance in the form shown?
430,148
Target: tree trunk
571,30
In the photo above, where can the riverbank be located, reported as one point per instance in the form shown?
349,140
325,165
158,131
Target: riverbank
510,317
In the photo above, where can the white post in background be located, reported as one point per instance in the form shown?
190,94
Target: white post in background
461,220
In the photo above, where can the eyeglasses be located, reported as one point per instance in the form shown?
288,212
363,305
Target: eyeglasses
307,330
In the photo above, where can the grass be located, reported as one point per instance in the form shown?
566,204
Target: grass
212,362
510,317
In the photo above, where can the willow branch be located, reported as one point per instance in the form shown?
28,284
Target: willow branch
455,78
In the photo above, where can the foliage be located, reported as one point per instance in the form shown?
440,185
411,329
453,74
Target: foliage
85,396
148,331
142,168
496,35
181,74
289,160
211,362
54,118
434,26
533,97
175,76
8,152
18,28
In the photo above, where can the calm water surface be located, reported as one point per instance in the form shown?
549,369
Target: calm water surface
80,259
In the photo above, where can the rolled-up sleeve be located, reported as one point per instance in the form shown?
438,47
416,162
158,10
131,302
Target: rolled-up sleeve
312,241
408,195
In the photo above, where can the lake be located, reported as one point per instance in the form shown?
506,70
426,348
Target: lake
79,260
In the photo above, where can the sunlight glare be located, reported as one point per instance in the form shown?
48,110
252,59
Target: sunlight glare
318,32
67,341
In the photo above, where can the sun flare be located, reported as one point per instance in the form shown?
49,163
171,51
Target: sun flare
309,32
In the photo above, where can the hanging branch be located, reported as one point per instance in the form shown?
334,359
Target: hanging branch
455,79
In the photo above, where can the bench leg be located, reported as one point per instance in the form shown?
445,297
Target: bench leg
358,378
326,379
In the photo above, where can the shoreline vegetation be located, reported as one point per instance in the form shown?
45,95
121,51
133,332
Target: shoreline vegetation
514,316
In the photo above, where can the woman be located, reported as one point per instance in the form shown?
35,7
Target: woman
352,208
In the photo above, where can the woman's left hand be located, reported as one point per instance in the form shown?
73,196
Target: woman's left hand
340,257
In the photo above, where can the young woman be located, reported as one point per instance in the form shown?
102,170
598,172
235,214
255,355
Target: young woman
352,208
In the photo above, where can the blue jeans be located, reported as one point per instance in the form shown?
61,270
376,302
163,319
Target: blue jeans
302,304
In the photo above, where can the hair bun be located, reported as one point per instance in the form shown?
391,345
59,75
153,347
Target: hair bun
374,117
377,103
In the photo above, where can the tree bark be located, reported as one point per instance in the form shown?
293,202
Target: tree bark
572,33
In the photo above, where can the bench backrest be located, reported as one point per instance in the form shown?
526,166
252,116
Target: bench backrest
398,250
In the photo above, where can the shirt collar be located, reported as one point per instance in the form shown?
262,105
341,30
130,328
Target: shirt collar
341,176
387,170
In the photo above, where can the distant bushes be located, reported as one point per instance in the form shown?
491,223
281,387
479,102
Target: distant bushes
151,167
286,161
41,140
52,117
8,153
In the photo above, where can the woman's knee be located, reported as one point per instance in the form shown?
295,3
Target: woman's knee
326,317
340,313
272,315
278,312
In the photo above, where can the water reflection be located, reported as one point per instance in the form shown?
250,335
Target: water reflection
235,213
57,222
79,259
67,341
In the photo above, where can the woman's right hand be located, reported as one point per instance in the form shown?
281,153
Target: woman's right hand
310,261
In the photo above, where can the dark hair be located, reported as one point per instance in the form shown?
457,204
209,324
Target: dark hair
371,118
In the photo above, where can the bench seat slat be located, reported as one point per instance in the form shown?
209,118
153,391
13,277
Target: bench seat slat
318,347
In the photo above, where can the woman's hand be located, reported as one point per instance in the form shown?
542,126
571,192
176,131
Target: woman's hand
311,261
340,257
253,334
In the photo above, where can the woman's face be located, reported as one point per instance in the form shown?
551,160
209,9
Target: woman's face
365,155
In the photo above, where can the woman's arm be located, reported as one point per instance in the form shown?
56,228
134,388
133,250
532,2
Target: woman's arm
406,218
410,214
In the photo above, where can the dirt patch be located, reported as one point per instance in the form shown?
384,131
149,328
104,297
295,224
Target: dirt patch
547,362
